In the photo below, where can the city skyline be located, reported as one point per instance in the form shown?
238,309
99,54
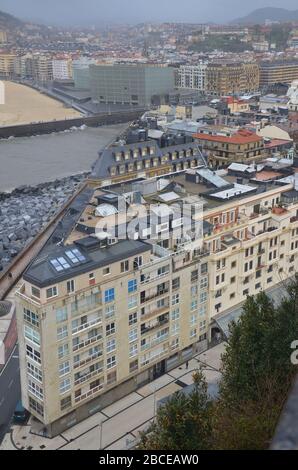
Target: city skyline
71,13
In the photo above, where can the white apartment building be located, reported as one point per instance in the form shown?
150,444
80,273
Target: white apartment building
62,69
192,76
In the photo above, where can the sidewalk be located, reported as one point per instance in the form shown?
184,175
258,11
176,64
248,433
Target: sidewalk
118,426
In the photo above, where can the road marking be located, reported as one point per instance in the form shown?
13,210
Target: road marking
15,357
10,383
14,349
1,401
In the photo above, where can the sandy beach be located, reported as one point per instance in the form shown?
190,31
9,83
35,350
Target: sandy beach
23,105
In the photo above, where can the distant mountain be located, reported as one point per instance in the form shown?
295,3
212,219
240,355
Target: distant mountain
260,15
9,22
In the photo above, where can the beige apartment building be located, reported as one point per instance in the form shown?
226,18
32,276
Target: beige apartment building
99,316
231,78
7,65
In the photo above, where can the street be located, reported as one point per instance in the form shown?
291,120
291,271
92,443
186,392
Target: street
10,391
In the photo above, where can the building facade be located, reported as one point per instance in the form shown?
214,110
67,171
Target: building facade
191,77
272,73
7,65
232,78
62,69
134,85
99,317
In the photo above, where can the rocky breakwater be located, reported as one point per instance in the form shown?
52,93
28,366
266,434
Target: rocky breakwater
26,210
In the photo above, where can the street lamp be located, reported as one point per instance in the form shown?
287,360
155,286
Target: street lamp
100,436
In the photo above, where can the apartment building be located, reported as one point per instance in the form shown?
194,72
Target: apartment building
272,73
191,77
3,37
42,68
101,314
231,78
6,65
224,145
62,69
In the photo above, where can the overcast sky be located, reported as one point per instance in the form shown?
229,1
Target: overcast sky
90,12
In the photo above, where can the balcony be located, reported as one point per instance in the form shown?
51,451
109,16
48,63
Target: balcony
85,396
159,293
88,376
154,327
156,311
87,360
87,342
154,342
86,326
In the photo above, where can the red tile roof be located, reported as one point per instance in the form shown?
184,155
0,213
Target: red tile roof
241,137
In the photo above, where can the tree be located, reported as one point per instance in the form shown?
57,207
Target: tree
184,422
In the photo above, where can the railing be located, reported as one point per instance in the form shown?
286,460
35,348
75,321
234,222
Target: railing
154,296
154,327
86,361
88,394
88,376
155,311
85,326
153,358
154,342
156,278
86,343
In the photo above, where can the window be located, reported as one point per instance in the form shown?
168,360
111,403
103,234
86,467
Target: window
109,311
132,286
176,283
269,280
64,386
111,346
110,329
193,305
193,333
203,310
34,372
137,262
106,271
218,307
175,299
63,350
132,301
193,319
61,314
175,328
33,354
233,280
35,406
65,403
233,264
246,292
258,286
133,335
62,332
31,317
194,291
70,286
64,368
109,295
35,292
203,297
204,282
258,274
124,266
32,335
112,377
133,318
35,389
204,268
194,276
218,294
175,314
134,365
133,350
111,362
52,292
232,296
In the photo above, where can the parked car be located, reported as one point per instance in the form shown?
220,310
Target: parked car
20,415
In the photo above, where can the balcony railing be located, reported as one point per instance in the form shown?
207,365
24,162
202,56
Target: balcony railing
88,376
154,296
85,326
154,327
87,342
85,396
87,360
154,342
